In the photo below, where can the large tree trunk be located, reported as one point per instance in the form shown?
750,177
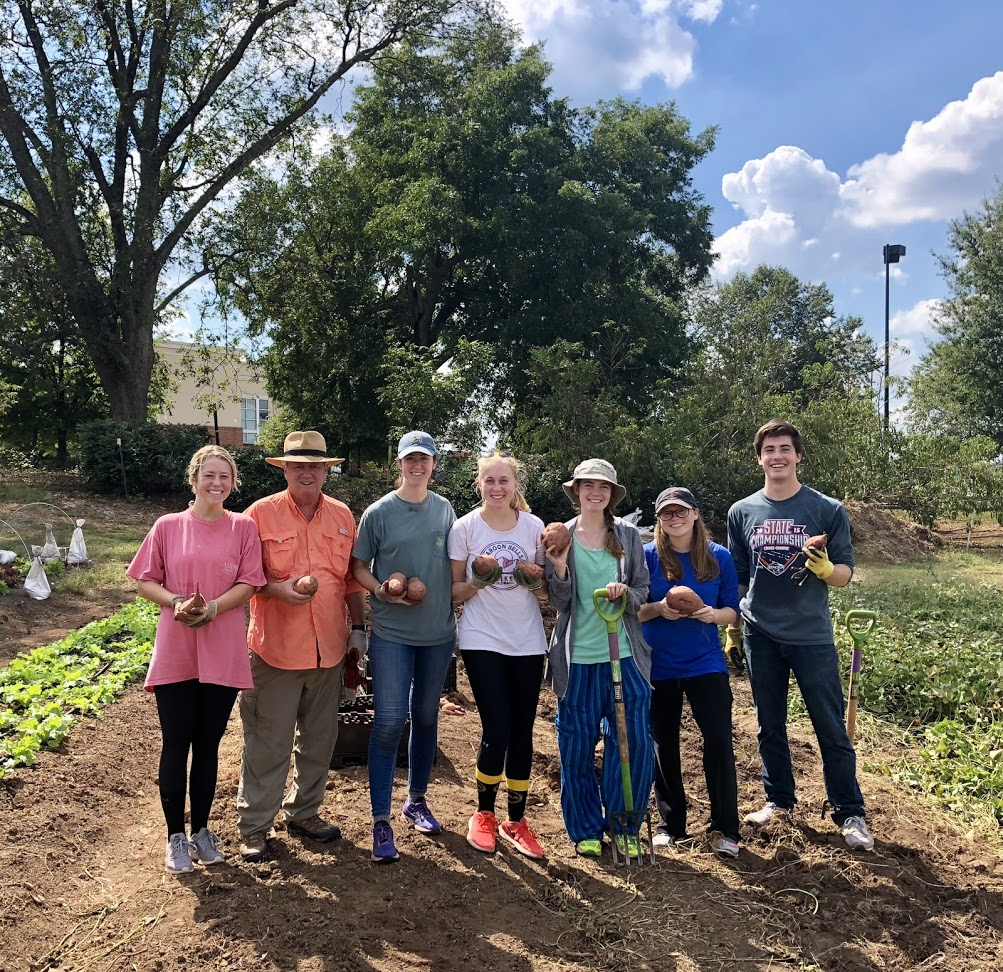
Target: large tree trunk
124,364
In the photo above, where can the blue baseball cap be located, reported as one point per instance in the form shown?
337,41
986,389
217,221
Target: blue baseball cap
416,442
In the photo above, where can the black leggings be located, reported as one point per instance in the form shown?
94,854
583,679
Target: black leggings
193,717
506,689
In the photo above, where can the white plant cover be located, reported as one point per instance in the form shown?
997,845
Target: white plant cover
36,584
77,554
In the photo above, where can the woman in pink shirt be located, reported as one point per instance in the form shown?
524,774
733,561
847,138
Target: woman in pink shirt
199,660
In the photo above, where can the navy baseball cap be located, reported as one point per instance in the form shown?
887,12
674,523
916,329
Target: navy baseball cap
416,442
679,495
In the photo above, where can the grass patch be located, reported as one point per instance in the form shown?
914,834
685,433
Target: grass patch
19,494
110,548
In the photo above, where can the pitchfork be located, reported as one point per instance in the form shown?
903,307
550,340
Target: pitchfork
629,821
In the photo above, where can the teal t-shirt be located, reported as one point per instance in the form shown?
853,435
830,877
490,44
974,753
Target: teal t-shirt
395,535
593,569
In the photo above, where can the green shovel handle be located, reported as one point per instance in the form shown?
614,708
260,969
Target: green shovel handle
860,635
613,610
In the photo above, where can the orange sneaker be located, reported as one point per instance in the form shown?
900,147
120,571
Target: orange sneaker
522,838
482,831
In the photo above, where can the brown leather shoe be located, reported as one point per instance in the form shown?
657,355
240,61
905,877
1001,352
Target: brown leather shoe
315,827
252,847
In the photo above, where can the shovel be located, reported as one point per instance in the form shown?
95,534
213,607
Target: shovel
859,636
630,821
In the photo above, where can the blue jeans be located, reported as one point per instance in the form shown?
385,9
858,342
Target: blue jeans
405,678
816,669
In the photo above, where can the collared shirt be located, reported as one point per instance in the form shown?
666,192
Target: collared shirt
315,634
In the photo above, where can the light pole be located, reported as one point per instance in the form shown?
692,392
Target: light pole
892,253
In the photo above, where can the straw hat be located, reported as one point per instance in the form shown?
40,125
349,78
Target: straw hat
303,447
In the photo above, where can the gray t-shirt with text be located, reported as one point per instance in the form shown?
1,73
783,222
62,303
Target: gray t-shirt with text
765,538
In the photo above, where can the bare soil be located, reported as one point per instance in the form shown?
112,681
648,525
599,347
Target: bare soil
82,886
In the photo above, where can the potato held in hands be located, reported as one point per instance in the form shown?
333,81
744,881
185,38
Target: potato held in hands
395,585
684,600
531,571
415,590
307,584
193,606
556,537
484,565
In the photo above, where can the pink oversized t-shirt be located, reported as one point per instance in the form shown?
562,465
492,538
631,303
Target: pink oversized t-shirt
183,550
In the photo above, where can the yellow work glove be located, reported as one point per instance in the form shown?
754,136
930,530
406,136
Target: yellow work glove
818,562
733,647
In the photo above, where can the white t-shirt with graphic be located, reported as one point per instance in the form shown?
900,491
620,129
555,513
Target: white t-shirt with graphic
503,617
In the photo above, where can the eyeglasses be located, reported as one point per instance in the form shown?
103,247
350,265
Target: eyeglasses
667,516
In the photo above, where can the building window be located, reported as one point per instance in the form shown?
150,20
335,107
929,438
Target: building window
253,411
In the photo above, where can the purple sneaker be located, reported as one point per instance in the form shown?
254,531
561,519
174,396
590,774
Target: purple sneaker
384,850
417,814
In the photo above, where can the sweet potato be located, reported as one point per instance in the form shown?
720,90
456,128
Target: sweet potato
683,599
307,584
395,584
556,537
192,606
529,570
415,590
818,542
483,565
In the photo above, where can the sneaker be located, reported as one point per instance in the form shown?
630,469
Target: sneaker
769,812
252,847
384,849
663,840
482,831
416,813
856,834
723,846
205,847
590,847
627,845
522,838
178,859
314,828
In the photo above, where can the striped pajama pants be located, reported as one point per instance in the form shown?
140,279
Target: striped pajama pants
585,713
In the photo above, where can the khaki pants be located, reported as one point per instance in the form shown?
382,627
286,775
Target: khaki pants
286,714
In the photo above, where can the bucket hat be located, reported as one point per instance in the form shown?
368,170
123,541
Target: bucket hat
596,469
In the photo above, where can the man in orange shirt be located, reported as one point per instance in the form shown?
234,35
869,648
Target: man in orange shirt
298,646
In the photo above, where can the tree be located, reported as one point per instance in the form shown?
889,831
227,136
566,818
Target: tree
126,123
956,388
467,203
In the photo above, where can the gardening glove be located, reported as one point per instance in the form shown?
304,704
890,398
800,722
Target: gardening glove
733,648
524,580
479,581
818,562
200,621
353,672
358,641
381,595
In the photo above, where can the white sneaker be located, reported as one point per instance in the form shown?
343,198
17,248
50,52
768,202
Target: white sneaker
723,846
205,847
662,840
856,834
178,858
769,812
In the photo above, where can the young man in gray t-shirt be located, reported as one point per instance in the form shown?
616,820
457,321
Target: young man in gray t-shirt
788,628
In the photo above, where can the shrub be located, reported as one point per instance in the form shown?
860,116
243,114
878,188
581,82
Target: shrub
257,478
156,456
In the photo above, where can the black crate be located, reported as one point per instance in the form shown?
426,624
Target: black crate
355,726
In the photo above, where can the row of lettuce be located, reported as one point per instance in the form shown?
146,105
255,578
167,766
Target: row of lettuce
44,691
933,666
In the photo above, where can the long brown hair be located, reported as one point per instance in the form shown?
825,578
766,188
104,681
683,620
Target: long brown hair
612,544
704,564
518,502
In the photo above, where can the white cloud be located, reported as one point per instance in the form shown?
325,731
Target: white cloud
917,321
601,45
945,165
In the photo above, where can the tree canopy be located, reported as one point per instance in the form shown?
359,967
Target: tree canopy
125,124
468,204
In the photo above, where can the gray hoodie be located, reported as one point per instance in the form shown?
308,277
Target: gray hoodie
632,570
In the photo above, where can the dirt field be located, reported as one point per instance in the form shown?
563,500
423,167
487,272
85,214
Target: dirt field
82,888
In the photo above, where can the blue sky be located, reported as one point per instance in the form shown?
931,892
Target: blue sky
842,126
